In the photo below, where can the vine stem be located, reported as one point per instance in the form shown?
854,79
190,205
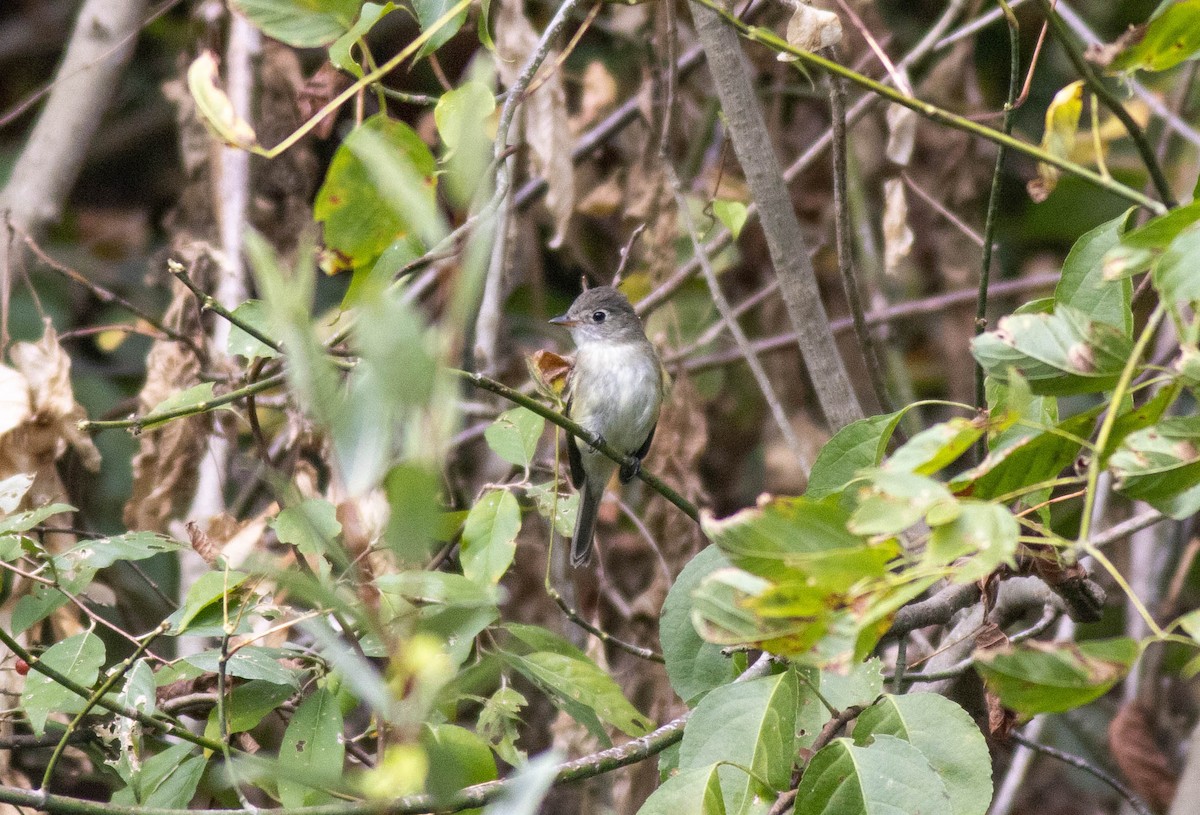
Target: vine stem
140,423
993,205
210,303
168,726
932,112
94,699
1110,419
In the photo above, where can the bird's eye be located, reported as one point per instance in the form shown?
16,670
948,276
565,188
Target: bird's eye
598,316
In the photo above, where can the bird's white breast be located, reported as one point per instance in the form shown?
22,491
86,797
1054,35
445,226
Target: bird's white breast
617,390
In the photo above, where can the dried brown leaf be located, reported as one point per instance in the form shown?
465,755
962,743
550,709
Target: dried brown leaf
165,467
549,371
546,124
202,543
1001,720
55,415
811,29
1141,759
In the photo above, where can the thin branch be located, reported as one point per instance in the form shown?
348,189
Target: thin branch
731,323
137,424
602,635
993,205
842,231
1081,763
104,295
210,303
900,311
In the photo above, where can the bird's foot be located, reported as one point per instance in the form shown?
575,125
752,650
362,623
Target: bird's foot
629,471
595,448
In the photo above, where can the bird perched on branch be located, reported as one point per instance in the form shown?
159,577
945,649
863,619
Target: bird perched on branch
615,390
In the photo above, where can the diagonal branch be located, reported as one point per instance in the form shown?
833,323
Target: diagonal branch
789,251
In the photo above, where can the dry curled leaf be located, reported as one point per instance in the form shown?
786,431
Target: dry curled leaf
1001,720
811,29
902,134
214,104
549,371
897,234
546,124
1062,120
1141,759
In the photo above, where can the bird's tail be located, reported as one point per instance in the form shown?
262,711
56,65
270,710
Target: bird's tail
585,523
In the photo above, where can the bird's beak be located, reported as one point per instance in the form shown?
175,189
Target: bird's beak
564,321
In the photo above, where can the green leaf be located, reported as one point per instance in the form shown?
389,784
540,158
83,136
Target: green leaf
489,537
1175,273
208,589
536,638
24,521
457,759
945,734
340,53
797,538
168,779
886,777
301,23
985,534
1039,677
935,447
194,398
444,588
1169,39
1083,285
12,490
895,501
412,492
255,314
1139,248
1160,461
311,526
460,113
1021,459
312,749
514,435
379,187
499,723
694,667
428,13
250,662
860,685
695,791
583,691
732,214
550,502
1059,354
104,552
78,658
248,704
751,724
858,445
723,613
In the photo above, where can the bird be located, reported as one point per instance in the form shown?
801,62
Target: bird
615,390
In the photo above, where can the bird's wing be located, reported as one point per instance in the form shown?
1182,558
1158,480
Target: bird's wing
573,456
645,448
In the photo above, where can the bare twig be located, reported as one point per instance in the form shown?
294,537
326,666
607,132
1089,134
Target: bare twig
842,231
739,336
1083,764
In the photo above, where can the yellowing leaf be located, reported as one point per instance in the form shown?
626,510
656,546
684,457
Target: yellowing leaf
215,106
1062,120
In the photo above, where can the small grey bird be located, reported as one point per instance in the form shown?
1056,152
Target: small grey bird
615,390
